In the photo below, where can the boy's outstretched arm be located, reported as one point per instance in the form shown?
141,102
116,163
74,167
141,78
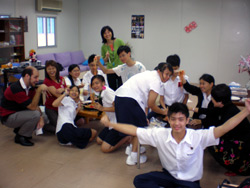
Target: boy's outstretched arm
123,128
233,122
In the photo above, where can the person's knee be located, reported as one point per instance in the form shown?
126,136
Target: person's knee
106,148
36,114
99,140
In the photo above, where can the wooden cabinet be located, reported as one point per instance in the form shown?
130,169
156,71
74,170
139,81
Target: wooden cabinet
11,40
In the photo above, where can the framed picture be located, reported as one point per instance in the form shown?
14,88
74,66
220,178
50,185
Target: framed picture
137,26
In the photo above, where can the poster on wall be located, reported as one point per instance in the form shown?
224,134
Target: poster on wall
137,26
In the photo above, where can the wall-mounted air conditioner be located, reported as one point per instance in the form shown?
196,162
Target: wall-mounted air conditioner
49,5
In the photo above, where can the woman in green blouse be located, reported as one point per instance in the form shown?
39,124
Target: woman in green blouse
109,55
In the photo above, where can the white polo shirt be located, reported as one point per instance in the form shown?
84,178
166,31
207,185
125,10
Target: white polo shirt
66,113
139,86
127,72
173,92
77,82
87,78
184,161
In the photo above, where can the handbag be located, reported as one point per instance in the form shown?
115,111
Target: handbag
227,184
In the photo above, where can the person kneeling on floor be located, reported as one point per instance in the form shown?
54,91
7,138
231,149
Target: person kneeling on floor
19,108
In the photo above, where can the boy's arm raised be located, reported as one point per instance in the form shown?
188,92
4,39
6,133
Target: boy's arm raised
123,128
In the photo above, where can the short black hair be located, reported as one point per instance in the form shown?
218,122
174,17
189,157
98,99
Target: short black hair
72,66
123,48
178,107
99,77
163,66
208,78
221,93
174,60
76,88
91,58
103,31
28,71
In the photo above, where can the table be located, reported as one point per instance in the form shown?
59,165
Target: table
90,114
16,70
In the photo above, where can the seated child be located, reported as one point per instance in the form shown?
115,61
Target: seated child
203,92
73,77
233,151
66,130
180,150
109,139
89,74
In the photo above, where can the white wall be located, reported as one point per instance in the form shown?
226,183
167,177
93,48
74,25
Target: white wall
66,21
213,47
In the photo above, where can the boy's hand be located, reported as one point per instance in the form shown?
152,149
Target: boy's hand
195,122
181,75
98,106
105,121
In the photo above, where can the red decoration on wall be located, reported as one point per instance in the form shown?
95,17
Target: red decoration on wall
190,27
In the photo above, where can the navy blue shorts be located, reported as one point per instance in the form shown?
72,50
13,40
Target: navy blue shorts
127,110
112,137
79,137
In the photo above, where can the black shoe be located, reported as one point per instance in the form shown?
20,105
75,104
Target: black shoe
23,141
16,132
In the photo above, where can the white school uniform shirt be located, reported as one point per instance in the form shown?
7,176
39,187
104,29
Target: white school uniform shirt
87,78
66,113
108,97
172,91
184,161
204,104
77,82
139,86
127,72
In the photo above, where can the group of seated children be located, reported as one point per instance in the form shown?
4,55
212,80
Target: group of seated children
130,104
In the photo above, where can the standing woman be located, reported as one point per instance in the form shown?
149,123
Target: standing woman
56,86
110,56
134,96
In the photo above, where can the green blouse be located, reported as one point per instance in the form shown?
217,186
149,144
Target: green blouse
114,58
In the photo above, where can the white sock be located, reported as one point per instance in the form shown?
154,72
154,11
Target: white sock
133,154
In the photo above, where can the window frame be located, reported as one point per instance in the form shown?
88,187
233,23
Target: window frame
46,31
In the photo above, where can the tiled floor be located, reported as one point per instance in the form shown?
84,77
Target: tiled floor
50,165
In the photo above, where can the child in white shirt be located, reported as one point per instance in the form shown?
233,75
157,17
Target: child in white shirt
66,130
109,139
128,69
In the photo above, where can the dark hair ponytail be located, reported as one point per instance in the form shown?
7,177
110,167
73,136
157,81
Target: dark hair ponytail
71,67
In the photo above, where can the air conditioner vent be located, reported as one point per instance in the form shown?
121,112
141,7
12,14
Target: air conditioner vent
49,5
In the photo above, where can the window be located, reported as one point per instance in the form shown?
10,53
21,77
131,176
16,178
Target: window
46,35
